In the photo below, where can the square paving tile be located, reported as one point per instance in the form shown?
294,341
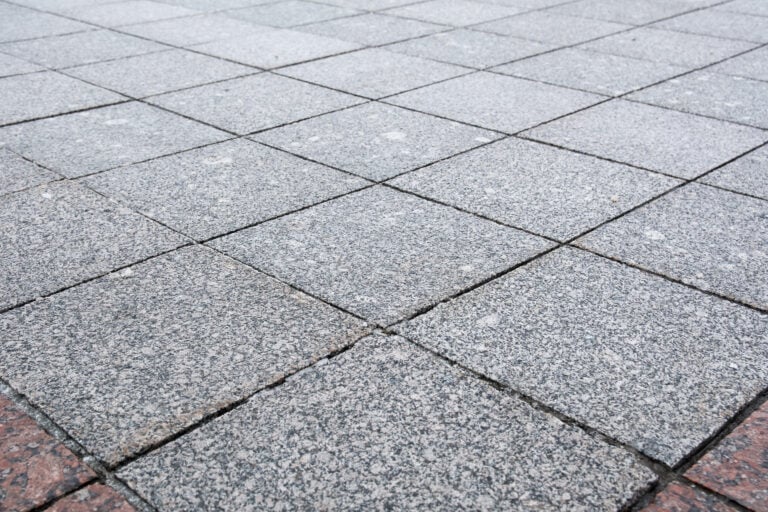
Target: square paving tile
159,72
678,497
748,174
195,30
549,191
654,138
249,104
710,238
380,253
16,173
115,14
376,141
158,346
548,27
591,71
646,361
100,139
10,66
386,425
18,23
497,102
372,29
373,73
57,235
753,64
453,12
219,188
290,13
625,11
718,23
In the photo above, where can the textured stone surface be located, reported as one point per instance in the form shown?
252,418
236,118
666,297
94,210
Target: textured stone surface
16,173
195,30
453,12
290,13
386,425
372,29
549,191
379,253
748,174
497,102
10,66
626,352
87,142
756,7
752,64
678,497
94,498
376,141
548,27
654,138
625,11
18,23
219,188
116,14
720,23
710,238
156,347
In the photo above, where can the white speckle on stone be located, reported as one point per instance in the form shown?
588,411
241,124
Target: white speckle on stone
115,122
654,235
394,135
218,161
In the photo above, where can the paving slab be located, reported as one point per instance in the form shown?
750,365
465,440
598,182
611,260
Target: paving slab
10,66
215,5
497,102
527,5
223,187
370,5
58,5
160,345
386,425
719,23
116,14
376,141
756,7
380,253
748,174
290,13
373,73
678,497
752,64
545,190
372,29
94,498
100,139
16,173
195,30
457,13
654,138
552,28
246,105
591,71
60,234
620,350
626,11
18,23
710,238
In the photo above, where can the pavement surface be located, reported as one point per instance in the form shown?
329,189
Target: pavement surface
384,255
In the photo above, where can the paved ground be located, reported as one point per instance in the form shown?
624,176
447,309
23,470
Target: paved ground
384,254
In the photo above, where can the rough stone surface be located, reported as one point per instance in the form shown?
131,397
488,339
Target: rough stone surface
752,64
678,497
16,173
387,426
115,14
10,66
372,29
748,174
94,498
720,23
18,23
548,27
195,30
290,13
453,12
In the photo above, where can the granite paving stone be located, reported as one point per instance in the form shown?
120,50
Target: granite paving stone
215,5
710,238
527,5
718,23
376,141
223,187
752,64
748,174
370,5
116,14
10,65
60,234
59,5
549,191
195,30
94,498
498,102
158,346
18,23
634,12
547,27
453,12
16,173
100,139
756,7
678,497
379,253
387,426
372,29
654,138
648,362
290,13
249,104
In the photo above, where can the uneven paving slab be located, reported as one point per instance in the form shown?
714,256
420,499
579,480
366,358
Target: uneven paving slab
126,13
710,238
386,425
246,105
753,64
748,174
94,498
372,29
632,12
376,141
16,173
654,138
195,30
59,234
542,189
223,187
498,102
290,13
718,23
158,346
18,23
453,12
548,27
10,66
100,139
678,497
380,253
623,351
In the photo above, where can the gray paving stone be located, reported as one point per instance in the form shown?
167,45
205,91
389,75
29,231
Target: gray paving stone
658,139
748,174
753,64
195,29
730,98
159,72
542,189
387,426
80,48
17,23
647,361
372,29
373,73
592,71
756,7
128,359
59,234
495,101
17,173
215,5
526,4
59,5
370,5
667,46
710,238
552,28
376,141
290,13
276,48
471,48
10,66
246,105
634,12
380,253
720,23
223,187
127,13
87,142
457,13
47,93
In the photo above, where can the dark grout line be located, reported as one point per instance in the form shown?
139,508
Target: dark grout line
60,114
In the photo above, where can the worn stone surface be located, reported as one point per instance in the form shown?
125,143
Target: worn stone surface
195,30
16,173
453,12
719,23
115,14
752,64
290,13
18,23
748,174
94,498
372,29
548,27
678,497
387,426
10,66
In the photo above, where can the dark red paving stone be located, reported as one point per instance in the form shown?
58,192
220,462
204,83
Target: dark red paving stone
682,498
34,467
738,466
94,498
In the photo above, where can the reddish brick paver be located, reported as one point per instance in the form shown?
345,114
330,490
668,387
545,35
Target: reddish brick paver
94,498
678,497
